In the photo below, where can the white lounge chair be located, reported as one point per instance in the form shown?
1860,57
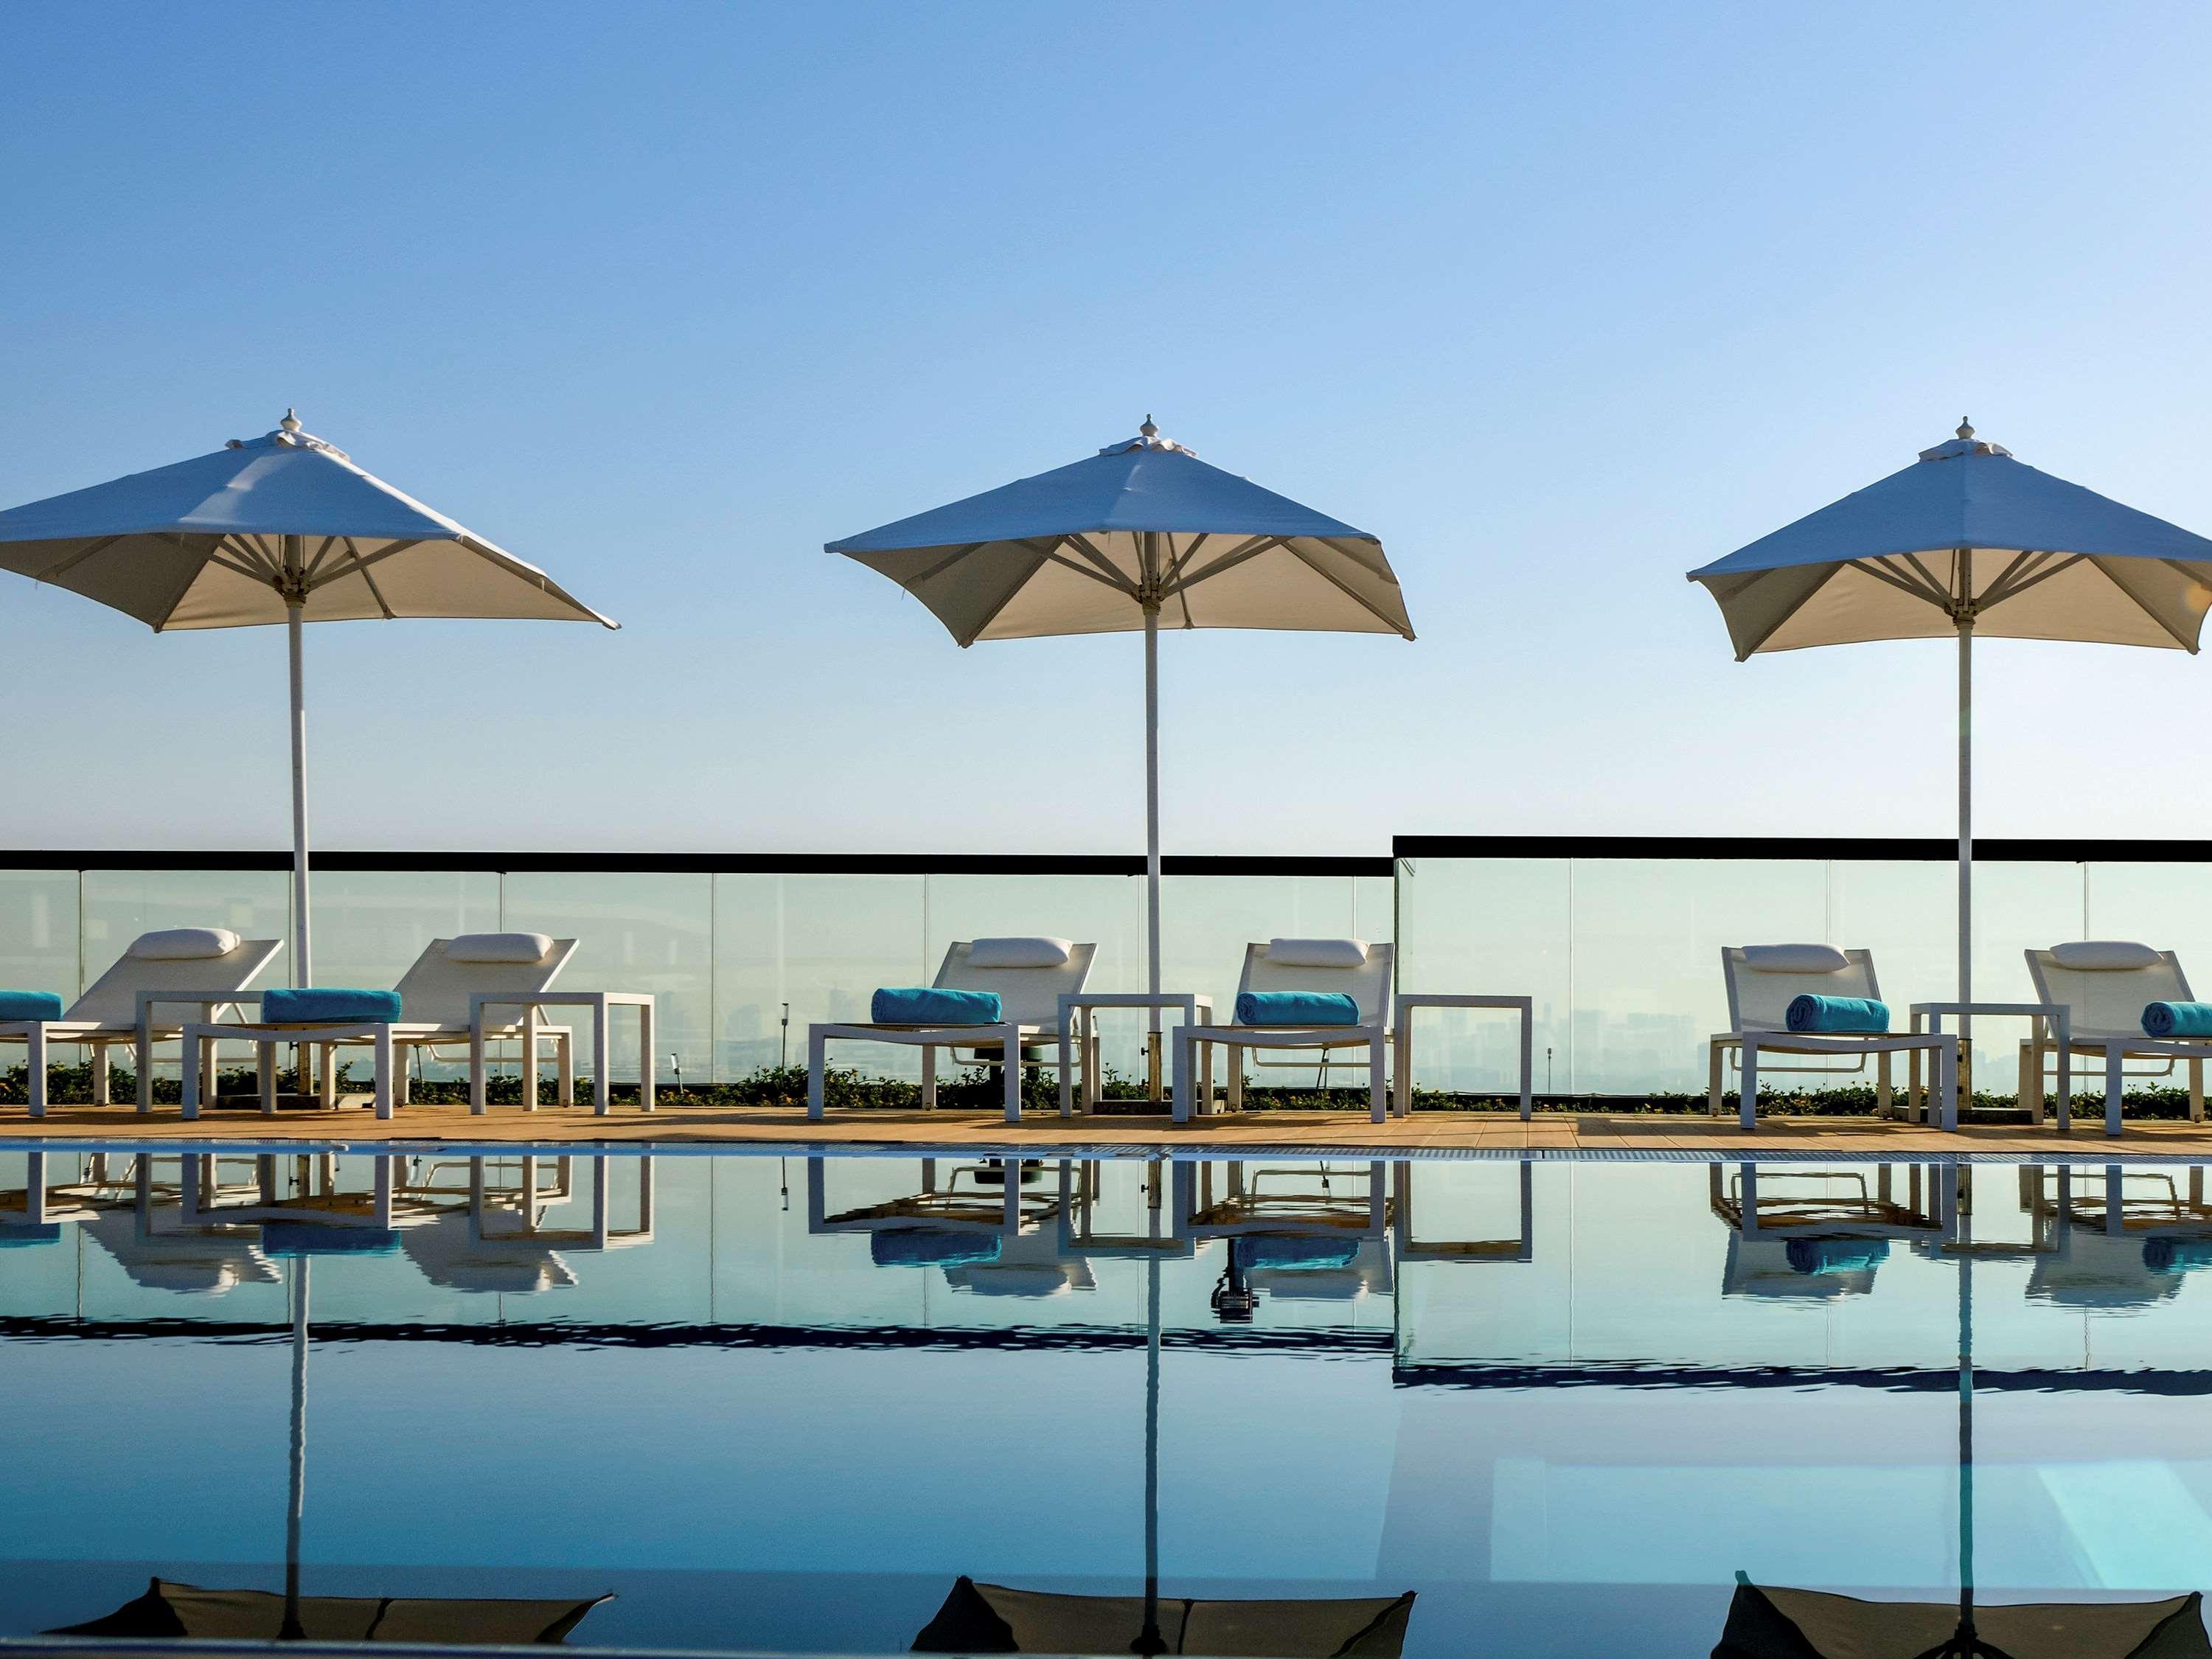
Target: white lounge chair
1349,966
1029,975
1764,979
2105,985
439,998
201,968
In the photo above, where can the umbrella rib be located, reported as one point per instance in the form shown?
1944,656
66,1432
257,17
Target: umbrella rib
76,559
361,562
1930,594
948,562
1299,554
1005,600
1089,551
1928,576
323,553
1249,548
2040,573
1053,555
2026,558
376,593
1177,565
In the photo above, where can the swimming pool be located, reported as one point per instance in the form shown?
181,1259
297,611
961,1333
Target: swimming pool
790,1402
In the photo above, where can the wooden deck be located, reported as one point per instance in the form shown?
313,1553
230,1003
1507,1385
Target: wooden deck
1333,1132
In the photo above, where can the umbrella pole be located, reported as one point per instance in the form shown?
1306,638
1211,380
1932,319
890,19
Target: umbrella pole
1966,826
1152,817
1149,1640
303,957
292,1630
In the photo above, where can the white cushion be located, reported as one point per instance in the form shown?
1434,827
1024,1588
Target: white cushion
2104,955
1794,959
1026,952
183,944
499,947
1317,952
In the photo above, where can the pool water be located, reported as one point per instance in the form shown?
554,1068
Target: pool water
790,1402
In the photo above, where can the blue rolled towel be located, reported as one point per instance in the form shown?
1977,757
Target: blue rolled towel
1297,1008
321,1238
923,1004
1811,1016
1290,1251
2177,1255
29,1005
322,1005
930,1246
1836,1255
2178,1019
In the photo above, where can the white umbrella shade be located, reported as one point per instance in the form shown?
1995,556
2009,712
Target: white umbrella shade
283,528
1142,535
1966,541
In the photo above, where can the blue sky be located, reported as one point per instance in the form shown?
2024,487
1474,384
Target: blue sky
1559,301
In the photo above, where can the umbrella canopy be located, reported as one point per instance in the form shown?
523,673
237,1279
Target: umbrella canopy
1797,1623
1142,535
994,1619
203,544
1967,540
283,528
1966,532
169,1611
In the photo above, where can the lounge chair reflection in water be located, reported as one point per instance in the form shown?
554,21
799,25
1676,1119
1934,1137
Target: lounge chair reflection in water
1318,1231
1821,1232
965,1217
2126,1238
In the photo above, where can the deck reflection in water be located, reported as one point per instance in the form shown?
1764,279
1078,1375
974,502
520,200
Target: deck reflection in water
787,1402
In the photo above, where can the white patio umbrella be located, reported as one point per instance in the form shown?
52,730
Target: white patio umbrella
1142,535
1966,541
283,528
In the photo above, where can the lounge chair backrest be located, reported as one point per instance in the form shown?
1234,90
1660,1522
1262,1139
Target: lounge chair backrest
1368,984
1027,996
435,991
1764,979
2106,985
112,998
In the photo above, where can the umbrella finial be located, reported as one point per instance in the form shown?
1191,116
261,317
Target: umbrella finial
1965,426
1148,430
291,421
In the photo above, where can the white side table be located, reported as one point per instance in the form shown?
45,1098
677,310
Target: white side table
601,1003
376,1033
1075,1010
1929,1016
1401,1059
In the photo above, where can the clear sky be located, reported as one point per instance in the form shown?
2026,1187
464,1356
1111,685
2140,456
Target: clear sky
1560,301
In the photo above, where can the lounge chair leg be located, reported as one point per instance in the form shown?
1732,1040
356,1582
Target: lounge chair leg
1236,1078
1066,1042
928,1076
564,1065
478,1093
1716,1056
818,1047
1746,1113
1203,1104
1011,1053
144,1056
102,1094
1949,1064
603,1071
208,1068
34,1062
1179,1112
2197,1090
384,1091
2114,1088
2029,1085
531,1019
1882,1090
402,1093
649,1068
191,1096
1378,1097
